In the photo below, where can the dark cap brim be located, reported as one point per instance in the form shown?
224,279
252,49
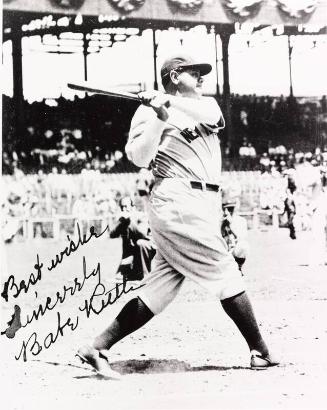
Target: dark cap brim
203,68
229,204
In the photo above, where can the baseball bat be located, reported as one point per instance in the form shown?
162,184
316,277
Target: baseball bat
112,92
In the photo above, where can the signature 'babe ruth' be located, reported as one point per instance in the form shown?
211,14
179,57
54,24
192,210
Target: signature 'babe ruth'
176,132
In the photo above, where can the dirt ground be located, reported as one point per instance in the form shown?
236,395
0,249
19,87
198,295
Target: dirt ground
189,357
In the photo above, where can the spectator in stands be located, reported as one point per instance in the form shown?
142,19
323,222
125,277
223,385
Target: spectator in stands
244,117
264,162
243,154
274,169
83,210
138,248
53,182
18,205
282,167
109,162
105,206
280,150
317,156
290,206
41,145
299,156
271,149
18,173
87,178
290,159
323,103
252,155
67,191
323,173
6,164
324,154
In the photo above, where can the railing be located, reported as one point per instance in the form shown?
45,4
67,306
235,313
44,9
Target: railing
59,226
271,220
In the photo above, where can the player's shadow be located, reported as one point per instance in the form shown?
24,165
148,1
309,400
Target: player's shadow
147,366
152,366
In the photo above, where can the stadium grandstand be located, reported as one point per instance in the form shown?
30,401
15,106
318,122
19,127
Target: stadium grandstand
63,159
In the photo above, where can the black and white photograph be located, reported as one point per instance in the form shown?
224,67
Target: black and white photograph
163,204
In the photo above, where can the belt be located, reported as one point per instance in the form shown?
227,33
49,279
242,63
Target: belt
204,186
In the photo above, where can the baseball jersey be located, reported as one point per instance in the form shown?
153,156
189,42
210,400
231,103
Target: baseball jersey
187,149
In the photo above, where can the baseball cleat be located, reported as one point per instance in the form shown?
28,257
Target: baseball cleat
98,361
260,362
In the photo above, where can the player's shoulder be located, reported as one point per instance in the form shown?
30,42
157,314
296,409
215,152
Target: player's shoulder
143,113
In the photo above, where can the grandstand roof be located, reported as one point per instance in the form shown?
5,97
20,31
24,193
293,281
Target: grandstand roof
258,12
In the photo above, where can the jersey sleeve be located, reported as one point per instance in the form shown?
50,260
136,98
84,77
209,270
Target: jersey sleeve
141,117
144,136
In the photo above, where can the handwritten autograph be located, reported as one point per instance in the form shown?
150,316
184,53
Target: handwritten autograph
10,283
100,298
35,346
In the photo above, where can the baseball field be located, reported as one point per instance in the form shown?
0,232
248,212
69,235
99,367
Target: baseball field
189,357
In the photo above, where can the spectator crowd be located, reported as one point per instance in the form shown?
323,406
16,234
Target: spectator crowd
69,156
70,134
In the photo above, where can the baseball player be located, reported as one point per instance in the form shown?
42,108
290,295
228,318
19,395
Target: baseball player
290,202
138,248
234,230
176,132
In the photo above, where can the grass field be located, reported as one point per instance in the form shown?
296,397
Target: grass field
189,357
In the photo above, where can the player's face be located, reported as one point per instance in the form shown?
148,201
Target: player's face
228,211
126,205
190,82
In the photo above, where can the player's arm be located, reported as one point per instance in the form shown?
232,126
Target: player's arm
120,227
144,136
204,109
139,231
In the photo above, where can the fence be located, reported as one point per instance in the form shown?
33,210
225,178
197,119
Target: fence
59,226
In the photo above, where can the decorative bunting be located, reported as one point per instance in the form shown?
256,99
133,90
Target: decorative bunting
243,8
67,4
297,8
236,9
186,5
127,5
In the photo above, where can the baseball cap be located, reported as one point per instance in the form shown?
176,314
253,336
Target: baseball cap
229,203
183,61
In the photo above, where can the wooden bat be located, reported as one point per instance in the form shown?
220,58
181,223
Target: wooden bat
112,92
109,91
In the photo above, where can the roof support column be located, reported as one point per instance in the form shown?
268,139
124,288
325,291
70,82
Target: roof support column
290,51
225,36
85,47
18,97
217,64
155,48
